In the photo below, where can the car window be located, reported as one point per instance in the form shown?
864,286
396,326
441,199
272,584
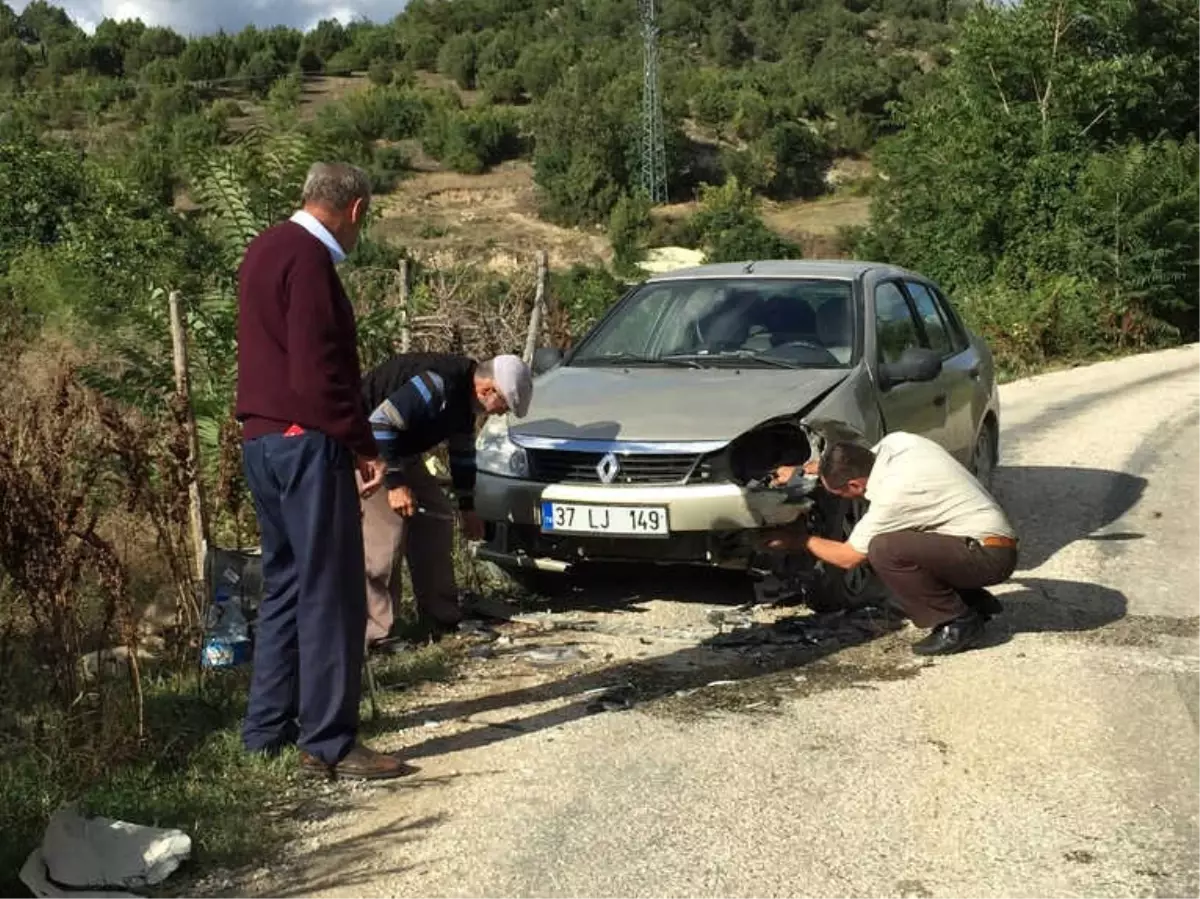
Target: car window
936,328
958,333
749,321
632,331
895,327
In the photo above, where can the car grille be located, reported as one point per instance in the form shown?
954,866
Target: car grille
573,467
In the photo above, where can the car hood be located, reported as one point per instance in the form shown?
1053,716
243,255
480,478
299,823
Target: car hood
655,404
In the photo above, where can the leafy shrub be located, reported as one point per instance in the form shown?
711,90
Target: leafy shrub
471,141
584,293
380,72
731,230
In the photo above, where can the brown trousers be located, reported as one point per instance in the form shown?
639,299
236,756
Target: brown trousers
425,540
937,578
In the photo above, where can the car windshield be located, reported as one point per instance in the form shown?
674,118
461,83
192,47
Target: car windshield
759,322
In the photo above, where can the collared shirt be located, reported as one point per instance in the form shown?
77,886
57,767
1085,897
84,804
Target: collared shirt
313,226
916,485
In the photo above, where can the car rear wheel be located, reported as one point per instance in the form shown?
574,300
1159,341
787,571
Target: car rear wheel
984,455
838,588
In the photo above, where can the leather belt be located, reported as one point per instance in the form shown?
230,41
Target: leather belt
999,542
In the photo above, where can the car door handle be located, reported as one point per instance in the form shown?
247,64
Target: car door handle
973,373
940,399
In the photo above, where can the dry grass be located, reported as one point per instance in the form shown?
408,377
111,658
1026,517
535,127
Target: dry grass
444,216
820,218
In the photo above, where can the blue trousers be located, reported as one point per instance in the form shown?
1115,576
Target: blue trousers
309,643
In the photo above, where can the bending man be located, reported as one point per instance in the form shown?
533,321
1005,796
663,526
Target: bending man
932,533
417,401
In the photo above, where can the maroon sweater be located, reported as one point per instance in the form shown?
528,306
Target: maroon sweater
297,342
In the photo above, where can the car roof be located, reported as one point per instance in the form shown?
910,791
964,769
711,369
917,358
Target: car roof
833,269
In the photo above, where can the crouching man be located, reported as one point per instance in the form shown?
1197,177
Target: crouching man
932,533
417,401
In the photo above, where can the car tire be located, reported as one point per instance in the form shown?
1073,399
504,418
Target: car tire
837,589
985,454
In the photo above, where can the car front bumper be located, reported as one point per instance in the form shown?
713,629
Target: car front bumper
710,524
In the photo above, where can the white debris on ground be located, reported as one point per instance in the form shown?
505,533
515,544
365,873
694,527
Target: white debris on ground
82,856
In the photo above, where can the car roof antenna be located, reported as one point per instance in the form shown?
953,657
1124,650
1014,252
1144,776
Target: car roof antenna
749,269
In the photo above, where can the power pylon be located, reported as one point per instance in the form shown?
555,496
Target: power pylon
653,144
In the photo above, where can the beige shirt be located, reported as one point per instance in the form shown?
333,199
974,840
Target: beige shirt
917,485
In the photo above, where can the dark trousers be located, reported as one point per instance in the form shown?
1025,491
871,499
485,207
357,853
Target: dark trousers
937,578
308,652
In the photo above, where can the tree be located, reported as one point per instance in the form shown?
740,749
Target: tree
456,60
628,228
1047,102
731,230
15,60
204,59
44,190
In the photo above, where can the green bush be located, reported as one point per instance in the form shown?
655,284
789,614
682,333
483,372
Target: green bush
470,141
730,229
585,293
380,72
628,230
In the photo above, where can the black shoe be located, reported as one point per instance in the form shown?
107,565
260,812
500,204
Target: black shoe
983,602
952,636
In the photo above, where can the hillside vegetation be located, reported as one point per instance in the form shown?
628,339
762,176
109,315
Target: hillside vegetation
1039,159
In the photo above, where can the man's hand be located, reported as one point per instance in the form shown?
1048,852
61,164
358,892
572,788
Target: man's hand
782,475
812,467
785,473
472,526
402,501
371,472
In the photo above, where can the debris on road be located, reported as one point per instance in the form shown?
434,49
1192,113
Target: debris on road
612,699
82,856
553,655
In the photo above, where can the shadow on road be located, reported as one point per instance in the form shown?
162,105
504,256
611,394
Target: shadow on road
742,655
1053,507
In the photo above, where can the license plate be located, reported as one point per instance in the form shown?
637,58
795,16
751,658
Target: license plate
626,521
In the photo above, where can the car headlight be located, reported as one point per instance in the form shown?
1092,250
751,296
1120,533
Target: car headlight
496,454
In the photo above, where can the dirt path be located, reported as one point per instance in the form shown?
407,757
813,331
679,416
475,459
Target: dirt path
1061,760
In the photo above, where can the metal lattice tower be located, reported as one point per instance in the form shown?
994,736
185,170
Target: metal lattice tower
653,145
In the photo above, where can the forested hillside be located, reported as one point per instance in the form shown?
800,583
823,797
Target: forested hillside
1038,158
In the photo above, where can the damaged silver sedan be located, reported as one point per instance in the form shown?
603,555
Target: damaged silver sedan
655,438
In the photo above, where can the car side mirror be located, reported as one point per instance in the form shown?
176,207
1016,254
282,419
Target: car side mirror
545,359
914,364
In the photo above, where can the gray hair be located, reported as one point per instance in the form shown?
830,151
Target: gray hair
335,185
486,369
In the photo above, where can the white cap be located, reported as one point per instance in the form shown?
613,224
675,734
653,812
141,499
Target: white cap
514,380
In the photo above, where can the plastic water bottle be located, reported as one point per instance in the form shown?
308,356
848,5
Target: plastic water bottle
227,635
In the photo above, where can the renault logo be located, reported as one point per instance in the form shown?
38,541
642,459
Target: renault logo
608,468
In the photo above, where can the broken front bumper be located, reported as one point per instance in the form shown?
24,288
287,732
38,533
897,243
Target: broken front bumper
713,524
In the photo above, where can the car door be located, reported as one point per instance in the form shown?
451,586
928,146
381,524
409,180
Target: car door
960,367
916,407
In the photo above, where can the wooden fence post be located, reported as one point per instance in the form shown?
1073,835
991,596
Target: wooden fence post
539,308
405,309
199,520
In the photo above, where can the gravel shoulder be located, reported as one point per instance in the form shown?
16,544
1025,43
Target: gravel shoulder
635,755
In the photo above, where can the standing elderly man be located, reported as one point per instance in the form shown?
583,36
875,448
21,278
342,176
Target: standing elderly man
417,401
305,435
933,534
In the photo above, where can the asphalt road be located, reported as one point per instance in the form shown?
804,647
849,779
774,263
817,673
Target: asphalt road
1060,760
